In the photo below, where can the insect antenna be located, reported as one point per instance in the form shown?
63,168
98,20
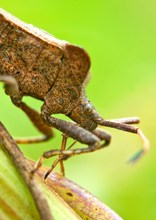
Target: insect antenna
124,124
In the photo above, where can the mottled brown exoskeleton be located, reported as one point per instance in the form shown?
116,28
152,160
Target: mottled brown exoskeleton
34,63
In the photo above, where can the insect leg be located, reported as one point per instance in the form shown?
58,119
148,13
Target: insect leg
37,121
78,133
58,160
101,134
12,89
63,147
104,136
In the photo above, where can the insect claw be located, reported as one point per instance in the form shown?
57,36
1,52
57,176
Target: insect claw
47,173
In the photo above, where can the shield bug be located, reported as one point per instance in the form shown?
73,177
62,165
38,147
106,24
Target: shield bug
34,63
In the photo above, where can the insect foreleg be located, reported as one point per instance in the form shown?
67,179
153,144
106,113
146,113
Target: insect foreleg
93,140
12,89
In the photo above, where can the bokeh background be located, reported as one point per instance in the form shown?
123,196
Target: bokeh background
120,37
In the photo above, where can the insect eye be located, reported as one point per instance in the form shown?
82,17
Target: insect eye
87,110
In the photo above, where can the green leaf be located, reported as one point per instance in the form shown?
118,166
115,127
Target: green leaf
26,196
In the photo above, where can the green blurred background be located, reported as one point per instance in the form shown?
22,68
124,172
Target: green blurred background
120,37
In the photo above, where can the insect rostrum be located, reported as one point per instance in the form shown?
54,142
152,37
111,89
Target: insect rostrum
34,63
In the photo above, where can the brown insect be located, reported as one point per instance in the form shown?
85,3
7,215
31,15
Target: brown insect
34,63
